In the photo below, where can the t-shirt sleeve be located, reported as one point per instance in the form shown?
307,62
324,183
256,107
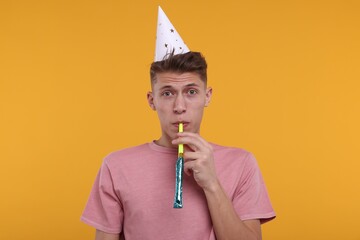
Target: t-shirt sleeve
104,209
251,200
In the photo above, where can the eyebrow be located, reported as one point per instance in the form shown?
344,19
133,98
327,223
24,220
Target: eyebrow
187,85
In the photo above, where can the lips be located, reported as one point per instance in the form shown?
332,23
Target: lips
185,124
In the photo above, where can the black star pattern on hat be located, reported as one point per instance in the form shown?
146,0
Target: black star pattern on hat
166,45
172,30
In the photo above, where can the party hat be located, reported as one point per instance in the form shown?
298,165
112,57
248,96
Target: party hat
167,38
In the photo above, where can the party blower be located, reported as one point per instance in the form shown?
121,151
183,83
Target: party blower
178,199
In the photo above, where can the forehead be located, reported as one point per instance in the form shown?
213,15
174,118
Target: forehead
177,79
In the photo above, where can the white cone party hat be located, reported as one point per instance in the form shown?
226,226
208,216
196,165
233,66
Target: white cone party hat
167,38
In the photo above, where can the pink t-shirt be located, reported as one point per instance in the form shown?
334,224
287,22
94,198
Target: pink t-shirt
134,193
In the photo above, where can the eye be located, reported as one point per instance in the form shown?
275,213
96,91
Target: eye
166,94
192,91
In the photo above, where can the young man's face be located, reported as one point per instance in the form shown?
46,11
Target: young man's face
178,97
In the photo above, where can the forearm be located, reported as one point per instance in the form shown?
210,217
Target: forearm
100,235
227,224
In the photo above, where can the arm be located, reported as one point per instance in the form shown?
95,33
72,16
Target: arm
199,162
100,235
104,209
226,223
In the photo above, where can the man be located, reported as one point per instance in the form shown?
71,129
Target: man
223,190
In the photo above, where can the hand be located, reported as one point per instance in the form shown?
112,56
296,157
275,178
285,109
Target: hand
198,159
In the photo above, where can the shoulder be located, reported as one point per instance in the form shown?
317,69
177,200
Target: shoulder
233,156
127,153
231,151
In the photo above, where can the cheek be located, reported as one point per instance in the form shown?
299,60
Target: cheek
163,112
159,105
162,107
197,106
196,112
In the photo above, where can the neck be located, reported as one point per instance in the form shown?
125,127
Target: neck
165,141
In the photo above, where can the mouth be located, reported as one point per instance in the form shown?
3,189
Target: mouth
176,124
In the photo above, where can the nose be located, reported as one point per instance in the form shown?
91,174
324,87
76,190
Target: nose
179,104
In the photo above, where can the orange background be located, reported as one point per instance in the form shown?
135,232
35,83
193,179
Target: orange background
73,83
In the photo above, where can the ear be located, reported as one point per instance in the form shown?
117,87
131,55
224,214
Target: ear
208,96
150,99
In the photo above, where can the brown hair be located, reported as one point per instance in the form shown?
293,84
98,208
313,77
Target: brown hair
180,63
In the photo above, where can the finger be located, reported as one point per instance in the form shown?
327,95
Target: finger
190,168
189,144
194,135
189,148
194,143
191,156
